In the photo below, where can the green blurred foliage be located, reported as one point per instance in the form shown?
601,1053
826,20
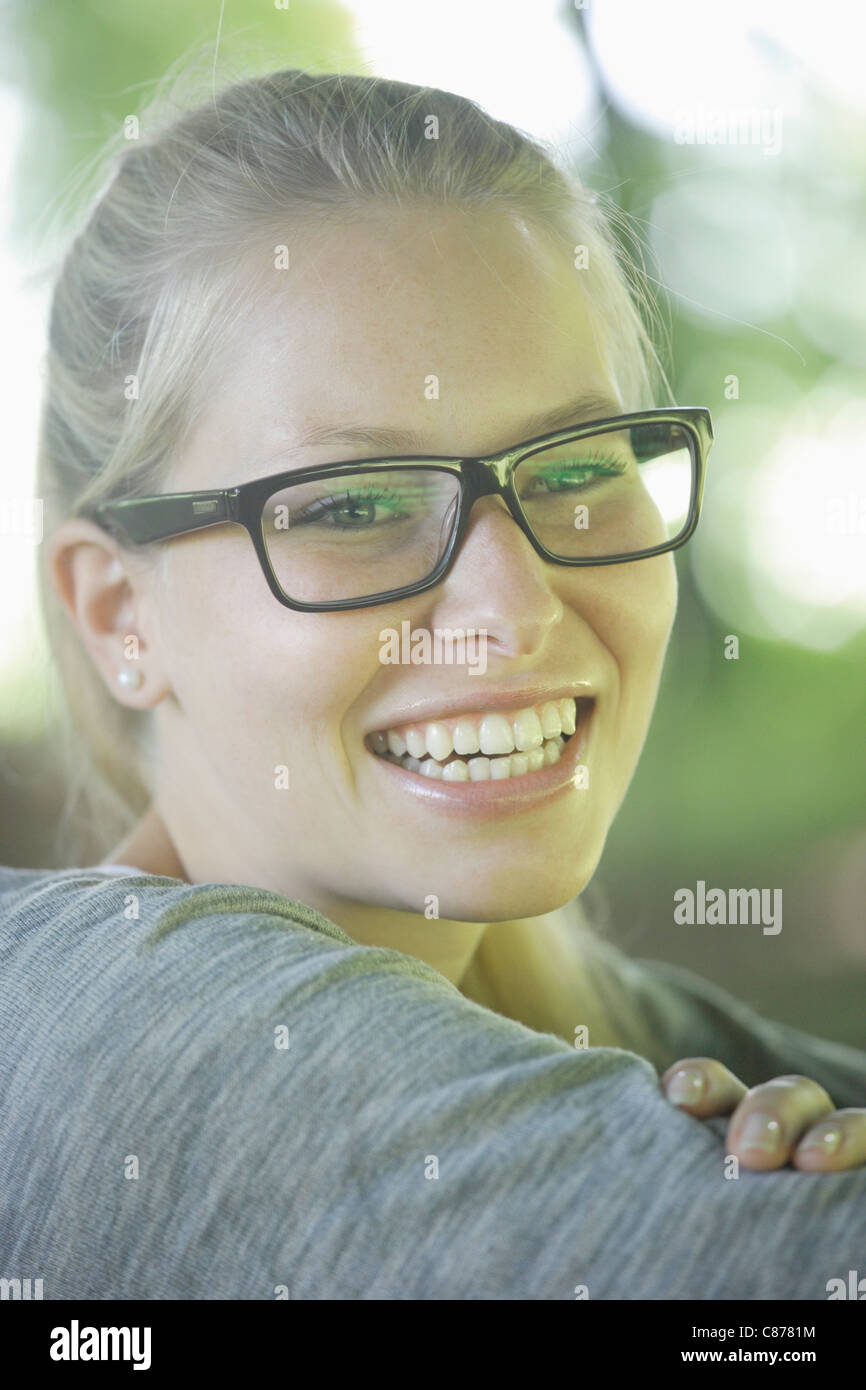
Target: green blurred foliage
83,65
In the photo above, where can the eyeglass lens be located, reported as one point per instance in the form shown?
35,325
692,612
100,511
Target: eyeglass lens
358,535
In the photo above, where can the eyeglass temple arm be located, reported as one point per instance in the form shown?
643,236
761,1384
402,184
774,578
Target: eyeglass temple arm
145,519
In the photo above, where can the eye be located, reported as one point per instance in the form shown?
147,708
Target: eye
353,511
568,475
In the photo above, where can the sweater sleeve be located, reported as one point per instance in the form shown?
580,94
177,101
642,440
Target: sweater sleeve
213,1093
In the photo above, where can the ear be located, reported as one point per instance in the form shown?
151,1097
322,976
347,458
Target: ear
106,593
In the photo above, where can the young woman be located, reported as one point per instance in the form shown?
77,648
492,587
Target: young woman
360,514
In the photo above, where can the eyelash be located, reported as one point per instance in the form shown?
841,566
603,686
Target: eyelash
327,506
595,468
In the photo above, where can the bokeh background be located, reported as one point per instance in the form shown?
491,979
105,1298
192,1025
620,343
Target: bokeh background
734,137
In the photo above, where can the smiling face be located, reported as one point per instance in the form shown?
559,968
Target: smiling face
351,335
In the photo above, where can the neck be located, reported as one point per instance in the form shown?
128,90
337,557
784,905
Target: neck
446,946
149,847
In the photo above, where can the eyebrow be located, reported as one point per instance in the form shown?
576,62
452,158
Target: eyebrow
584,408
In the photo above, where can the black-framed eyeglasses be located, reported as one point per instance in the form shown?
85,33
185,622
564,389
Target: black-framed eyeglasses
353,535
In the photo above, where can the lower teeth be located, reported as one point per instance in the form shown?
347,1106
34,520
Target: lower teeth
480,769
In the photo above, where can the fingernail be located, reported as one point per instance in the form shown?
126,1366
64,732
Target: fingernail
761,1132
686,1086
824,1140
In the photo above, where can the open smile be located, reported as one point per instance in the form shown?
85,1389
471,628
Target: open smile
502,746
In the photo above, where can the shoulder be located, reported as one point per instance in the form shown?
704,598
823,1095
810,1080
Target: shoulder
214,1091
141,925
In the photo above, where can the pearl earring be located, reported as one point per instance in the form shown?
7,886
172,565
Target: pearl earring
129,678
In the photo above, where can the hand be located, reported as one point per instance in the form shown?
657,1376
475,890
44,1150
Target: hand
787,1120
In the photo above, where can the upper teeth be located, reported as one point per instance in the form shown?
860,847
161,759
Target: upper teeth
489,734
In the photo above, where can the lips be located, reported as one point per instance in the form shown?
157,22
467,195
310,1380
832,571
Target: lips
482,745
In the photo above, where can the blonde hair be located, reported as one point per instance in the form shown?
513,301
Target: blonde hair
150,287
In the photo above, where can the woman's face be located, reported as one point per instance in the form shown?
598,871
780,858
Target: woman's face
350,335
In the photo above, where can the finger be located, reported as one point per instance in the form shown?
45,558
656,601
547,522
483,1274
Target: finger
838,1142
702,1086
772,1118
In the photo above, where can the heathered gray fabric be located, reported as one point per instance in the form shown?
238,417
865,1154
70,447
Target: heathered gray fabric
310,1167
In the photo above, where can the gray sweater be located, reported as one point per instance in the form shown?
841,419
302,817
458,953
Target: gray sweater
212,1092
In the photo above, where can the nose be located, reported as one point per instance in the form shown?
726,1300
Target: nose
498,583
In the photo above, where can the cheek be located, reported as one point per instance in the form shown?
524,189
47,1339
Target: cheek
631,613
648,601
249,670
631,609
641,638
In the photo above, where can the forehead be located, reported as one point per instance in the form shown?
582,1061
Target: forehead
455,325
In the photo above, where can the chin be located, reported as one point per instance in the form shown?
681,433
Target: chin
525,891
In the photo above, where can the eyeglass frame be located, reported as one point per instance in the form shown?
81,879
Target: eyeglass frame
147,520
